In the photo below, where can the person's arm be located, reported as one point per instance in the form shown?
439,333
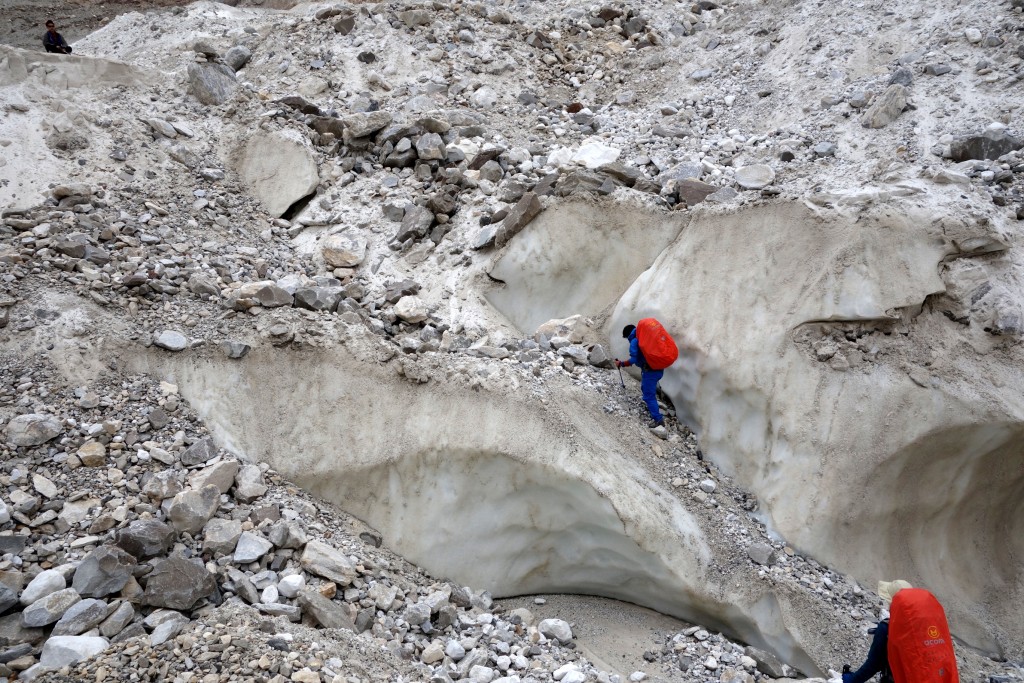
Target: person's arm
634,350
878,657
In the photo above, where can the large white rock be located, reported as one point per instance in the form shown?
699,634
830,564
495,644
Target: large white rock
61,651
594,154
755,176
279,168
412,309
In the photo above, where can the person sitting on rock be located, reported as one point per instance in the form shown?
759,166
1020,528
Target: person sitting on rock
53,41
649,377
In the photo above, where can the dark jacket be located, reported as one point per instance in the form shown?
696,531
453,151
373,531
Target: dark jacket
878,658
54,42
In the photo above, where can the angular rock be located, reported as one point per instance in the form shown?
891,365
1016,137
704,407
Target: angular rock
81,617
117,621
519,216
12,632
192,509
417,613
886,108
279,168
93,454
146,538
45,611
412,309
178,583
44,486
430,147
8,598
237,57
988,145
251,547
220,536
415,224
287,534
167,628
61,651
171,340
221,475
318,298
323,560
767,663
362,125
249,483
599,358
327,613
291,586
263,293
161,127
762,554
593,154
46,582
343,250
199,452
755,176
33,429
235,349
211,83
693,192
104,571
557,629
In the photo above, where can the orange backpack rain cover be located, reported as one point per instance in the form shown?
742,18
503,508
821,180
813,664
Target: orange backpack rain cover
920,648
655,343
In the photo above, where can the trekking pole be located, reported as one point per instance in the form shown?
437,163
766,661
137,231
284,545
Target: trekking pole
621,381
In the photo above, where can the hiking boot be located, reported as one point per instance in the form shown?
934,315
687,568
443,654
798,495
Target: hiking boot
654,424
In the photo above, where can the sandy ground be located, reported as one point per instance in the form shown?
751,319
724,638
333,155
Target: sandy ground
611,634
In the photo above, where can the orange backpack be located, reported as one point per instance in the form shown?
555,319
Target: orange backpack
655,343
920,648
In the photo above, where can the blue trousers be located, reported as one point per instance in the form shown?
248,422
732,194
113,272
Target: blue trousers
649,389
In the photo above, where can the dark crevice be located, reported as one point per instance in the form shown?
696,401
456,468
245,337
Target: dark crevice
296,208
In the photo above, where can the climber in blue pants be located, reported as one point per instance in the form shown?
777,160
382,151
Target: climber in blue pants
649,378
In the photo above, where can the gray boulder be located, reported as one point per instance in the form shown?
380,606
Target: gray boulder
557,629
886,108
116,622
762,554
8,598
104,571
45,611
755,176
178,583
211,83
415,224
145,538
431,147
199,452
167,628
221,535
221,475
33,429
251,547
519,216
171,340
249,483
362,125
61,651
81,617
325,612
237,57
318,298
323,560
192,509
988,145
287,534
13,632
279,168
